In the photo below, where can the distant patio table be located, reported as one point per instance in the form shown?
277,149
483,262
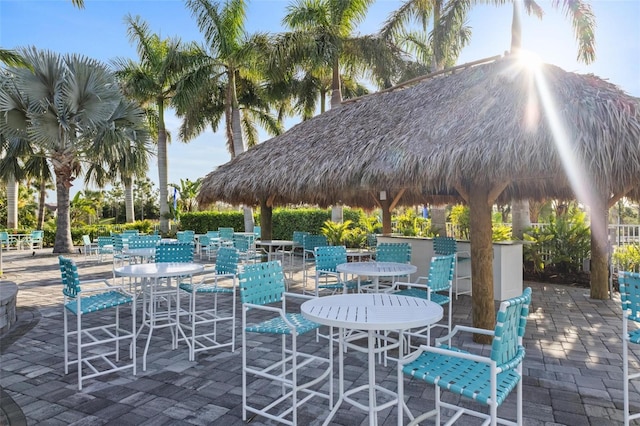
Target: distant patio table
274,245
19,241
372,313
143,253
375,270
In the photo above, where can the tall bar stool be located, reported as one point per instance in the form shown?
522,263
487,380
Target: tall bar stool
97,347
206,319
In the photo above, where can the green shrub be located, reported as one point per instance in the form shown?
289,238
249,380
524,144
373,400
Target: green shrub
501,232
336,233
627,257
461,220
201,222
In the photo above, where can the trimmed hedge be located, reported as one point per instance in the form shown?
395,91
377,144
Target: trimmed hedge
285,220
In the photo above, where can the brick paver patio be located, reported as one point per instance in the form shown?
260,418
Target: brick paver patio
572,369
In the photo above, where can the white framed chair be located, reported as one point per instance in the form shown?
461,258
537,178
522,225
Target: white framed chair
209,245
485,380
97,347
445,246
436,287
309,243
89,248
261,285
390,252
105,246
327,277
630,297
36,239
203,323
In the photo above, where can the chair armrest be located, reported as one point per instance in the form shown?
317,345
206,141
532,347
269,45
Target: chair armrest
465,329
396,285
297,295
86,291
446,352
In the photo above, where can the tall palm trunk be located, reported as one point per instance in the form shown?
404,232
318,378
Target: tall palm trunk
63,171
12,203
163,167
336,89
238,141
128,200
42,193
336,100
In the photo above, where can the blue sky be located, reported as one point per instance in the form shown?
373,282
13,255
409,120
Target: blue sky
98,31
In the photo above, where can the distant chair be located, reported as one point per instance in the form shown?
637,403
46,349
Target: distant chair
480,379
392,252
246,248
208,245
630,297
298,240
185,236
174,252
436,287
89,248
309,243
257,231
327,259
105,246
143,241
208,318
4,240
36,239
226,234
448,245
98,347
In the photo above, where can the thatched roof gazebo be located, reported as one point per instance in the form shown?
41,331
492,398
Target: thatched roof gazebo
487,133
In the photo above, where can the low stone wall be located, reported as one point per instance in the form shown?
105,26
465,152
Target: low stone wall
8,294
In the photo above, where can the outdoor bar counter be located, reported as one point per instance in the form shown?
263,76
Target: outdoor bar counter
507,263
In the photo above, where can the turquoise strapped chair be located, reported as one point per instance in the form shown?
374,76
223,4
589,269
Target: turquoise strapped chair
143,241
630,297
327,277
119,257
391,252
4,240
309,243
486,380
436,287
105,246
222,282
298,239
187,236
246,248
98,346
447,245
174,252
257,232
36,239
226,234
262,284
209,245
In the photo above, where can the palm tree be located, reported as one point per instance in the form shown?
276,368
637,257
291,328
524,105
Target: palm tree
60,106
154,81
12,171
322,42
121,165
228,81
442,46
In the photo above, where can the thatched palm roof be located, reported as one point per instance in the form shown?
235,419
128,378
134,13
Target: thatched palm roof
484,123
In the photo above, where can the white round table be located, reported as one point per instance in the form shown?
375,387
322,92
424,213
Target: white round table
375,270
150,275
373,313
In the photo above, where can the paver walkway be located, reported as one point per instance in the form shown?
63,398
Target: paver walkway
572,369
